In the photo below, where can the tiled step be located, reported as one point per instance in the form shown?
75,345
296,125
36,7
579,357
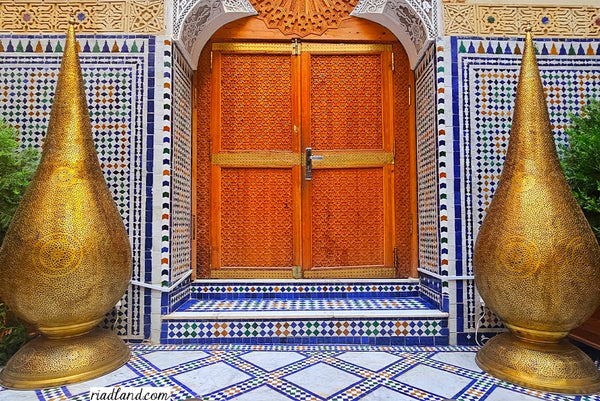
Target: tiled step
382,312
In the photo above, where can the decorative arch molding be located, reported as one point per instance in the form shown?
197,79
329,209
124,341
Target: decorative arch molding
414,22
202,20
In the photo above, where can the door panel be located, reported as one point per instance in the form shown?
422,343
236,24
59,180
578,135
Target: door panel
346,105
256,102
347,215
256,217
255,197
268,106
347,121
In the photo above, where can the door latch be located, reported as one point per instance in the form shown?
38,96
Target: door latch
309,159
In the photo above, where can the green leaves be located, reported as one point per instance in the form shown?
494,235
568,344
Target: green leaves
16,169
13,335
581,162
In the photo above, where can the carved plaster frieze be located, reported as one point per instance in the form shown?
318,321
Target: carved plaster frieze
203,19
198,12
197,19
140,16
500,20
427,11
409,21
414,22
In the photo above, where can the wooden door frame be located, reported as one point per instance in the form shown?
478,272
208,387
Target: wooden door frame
353,30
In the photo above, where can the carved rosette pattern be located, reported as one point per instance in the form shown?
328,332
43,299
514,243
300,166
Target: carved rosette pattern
303,18
140,16
499,20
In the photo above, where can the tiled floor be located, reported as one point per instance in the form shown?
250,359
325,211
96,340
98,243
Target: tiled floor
196,305
286,372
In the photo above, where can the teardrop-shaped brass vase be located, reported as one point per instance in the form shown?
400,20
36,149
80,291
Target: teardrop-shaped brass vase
66,258
536,260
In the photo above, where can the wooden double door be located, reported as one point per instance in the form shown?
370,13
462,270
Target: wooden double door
302,155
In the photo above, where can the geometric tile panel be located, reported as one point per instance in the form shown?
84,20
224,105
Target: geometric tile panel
181,167
345,331
283,289
427,166
199,305
116,72
307,372
486,75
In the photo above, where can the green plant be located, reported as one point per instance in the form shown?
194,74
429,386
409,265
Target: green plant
16,169
13,334
581,162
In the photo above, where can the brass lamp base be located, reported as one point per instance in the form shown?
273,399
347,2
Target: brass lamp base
557,367
45,362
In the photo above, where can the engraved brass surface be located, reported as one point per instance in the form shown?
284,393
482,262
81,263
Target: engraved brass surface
536,260
314,47
66,258
296,48
254,47
351,272
354,158
256,159
240,272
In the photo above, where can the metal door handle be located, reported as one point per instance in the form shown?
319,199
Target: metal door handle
309,159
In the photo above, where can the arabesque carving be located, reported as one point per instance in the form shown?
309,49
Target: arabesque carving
140,16
303,18
500,20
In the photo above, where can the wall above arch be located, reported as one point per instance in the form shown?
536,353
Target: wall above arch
414,22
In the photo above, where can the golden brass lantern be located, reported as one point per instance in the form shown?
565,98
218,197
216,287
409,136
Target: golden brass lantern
536,260
66,258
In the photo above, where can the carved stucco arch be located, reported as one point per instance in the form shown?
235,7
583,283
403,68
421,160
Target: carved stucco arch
414,22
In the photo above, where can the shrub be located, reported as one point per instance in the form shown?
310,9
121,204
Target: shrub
581,162
13,334
16,169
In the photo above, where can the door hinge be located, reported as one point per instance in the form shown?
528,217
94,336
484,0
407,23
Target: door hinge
296,47
211,58
409,95
297,272
393,62
396,258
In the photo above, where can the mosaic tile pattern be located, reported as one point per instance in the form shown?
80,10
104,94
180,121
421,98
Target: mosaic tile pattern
303,305
486,73
323,289
299,372
181,167
427,166
313,331
116,72
165,198
444,146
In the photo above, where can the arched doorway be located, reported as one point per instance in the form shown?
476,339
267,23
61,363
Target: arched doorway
262,99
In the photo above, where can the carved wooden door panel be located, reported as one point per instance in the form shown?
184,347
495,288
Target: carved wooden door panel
347,123
276,209
255,173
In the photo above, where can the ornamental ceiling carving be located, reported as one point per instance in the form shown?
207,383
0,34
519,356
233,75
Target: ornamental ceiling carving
303,17
136,16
